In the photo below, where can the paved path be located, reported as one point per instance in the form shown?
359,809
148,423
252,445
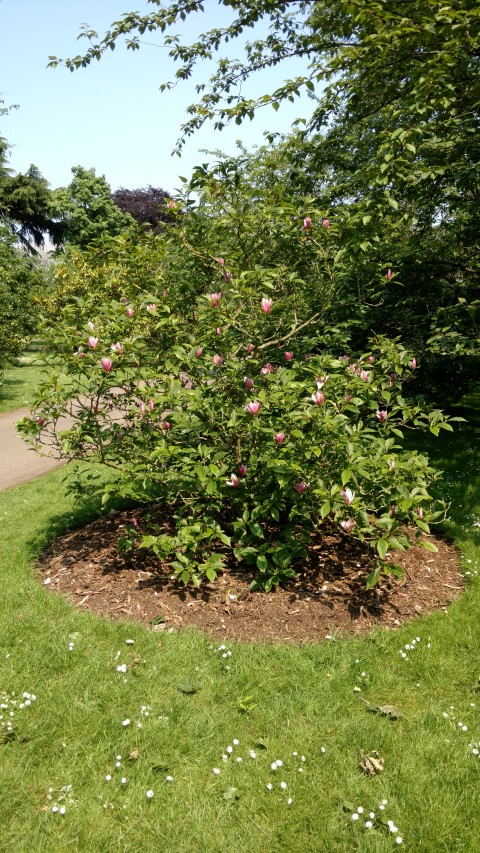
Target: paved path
18,463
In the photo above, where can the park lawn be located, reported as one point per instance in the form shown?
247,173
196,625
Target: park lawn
297,701
20,382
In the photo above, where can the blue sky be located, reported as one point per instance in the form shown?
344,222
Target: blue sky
111,115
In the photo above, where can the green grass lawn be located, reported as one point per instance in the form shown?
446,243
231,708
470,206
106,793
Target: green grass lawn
302,703
20,382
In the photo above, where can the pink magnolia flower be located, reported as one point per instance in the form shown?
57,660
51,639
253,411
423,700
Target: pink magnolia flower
371,359
92,342
107,364
326,223
164,293
117,348
199,352
151,405
227,276
288,356
249,348
320,381
266,305
266,370
389,274
279,437
215,299
129,312
91,326
347,495
242,470
220,261
167,425
233,481
41,421
382,415
348,525
307,223
152,307
217,360
249,383
253,407
300,487
318,398
217,330
142,408
413,363
420,513
393,510
364,374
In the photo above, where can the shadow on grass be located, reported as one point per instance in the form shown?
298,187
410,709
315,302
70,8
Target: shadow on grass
86,509
457,456
9,389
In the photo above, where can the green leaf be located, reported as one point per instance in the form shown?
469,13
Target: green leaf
256,529
373,577
385,710
325,509
397,571
262,563
189,686
382,548
160,767
231,794
429,546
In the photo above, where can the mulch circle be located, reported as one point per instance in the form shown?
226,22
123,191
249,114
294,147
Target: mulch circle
328,597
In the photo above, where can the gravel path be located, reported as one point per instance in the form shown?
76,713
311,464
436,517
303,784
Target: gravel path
18,462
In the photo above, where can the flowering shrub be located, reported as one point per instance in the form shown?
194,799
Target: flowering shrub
226,413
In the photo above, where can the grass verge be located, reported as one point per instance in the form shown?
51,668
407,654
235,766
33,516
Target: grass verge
21,381
280,702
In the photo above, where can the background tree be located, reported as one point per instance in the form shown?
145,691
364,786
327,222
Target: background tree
26,202
148,206
394,138
22,280
86,209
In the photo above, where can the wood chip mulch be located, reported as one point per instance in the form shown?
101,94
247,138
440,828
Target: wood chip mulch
328,598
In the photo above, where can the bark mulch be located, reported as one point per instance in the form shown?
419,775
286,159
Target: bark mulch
328,598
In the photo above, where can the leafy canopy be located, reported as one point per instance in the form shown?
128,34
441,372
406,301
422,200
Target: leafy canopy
86,209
